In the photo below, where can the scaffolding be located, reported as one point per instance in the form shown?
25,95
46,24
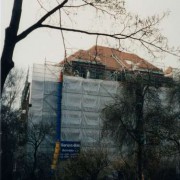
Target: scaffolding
72,96
73,107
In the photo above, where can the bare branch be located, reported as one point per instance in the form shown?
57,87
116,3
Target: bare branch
114,36
42,6
40,21
78,6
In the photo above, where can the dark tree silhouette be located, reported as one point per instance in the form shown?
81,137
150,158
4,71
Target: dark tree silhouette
132,118
89,164
10,122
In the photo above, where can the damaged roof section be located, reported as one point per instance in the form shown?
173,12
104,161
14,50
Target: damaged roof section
110,64
113,59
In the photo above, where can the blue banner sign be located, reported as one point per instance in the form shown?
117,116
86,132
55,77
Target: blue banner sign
69,149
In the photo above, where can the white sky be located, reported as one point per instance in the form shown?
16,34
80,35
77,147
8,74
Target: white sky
47,45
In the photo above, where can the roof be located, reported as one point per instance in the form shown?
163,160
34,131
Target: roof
112,59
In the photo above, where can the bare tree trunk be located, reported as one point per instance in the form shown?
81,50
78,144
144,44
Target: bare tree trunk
34,163
9,44
6,60
139,129
10,41
140,161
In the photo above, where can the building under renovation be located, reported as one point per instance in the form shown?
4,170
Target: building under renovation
72,94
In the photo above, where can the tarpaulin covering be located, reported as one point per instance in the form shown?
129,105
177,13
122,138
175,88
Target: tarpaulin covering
82,102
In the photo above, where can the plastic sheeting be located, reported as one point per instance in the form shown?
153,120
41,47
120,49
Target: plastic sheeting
82,102
44,92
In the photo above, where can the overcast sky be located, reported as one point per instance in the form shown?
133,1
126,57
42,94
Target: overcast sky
44,44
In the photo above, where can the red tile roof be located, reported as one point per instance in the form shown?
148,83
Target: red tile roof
112,59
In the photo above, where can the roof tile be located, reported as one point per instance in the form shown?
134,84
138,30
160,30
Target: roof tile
113,58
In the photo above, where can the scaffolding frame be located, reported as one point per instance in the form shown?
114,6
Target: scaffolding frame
45,88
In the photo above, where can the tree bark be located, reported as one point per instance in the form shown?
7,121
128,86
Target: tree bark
139,129
34,162
140,161
10,41
6,60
